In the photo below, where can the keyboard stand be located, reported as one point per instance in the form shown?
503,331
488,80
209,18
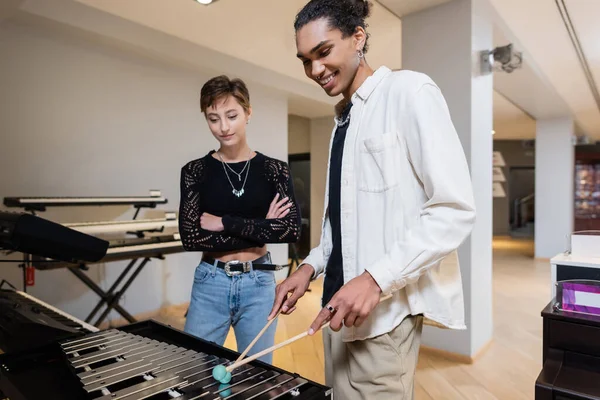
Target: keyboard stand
137,203
111,297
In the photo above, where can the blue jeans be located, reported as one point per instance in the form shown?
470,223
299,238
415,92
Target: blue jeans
219,301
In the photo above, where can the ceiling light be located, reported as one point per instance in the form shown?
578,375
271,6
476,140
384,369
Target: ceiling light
493,132
204,1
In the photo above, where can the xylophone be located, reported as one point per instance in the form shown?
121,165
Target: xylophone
144,360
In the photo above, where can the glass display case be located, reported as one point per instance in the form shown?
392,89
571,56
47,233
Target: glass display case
587,191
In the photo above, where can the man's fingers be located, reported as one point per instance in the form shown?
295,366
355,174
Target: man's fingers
336,322
337,319
349,320
288,312
291,301
280,295
322,317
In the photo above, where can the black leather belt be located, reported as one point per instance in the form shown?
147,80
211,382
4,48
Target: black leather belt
236,267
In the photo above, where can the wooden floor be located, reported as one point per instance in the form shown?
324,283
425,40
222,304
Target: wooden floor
506,370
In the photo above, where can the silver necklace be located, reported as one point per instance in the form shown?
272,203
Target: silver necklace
344,122
236,192
239,174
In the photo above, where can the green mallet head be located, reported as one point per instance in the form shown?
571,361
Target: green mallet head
224,393
221,374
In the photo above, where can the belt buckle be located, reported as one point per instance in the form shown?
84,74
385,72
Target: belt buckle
228,270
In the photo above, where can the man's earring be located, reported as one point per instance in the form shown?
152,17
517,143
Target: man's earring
360,53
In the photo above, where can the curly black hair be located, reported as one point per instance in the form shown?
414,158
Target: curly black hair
345,15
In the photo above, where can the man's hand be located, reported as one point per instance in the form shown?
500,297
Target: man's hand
352,304
211,222
279,208
297,284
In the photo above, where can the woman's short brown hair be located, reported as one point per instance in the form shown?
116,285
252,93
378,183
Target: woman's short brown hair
221,86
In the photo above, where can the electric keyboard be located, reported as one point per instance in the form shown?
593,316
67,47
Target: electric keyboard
124,249
26,321
145,360
141,225
30,234
135,250
40,203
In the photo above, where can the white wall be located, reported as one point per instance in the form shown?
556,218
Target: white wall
554,182
298,134
80,119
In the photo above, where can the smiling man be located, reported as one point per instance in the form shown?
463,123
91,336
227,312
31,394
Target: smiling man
398,200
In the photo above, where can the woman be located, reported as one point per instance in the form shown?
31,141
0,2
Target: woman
234,201
399,201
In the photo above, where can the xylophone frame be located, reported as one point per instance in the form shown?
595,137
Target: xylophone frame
43,372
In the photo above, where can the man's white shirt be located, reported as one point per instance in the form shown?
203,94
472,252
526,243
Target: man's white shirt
406,202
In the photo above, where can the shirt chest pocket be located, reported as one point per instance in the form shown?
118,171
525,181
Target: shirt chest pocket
378,163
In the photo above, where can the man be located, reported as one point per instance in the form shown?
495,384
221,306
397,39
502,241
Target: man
398,200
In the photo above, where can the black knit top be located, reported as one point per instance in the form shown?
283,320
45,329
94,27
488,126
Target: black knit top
205,187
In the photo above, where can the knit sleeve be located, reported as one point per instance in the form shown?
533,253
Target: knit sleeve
276,230
193,237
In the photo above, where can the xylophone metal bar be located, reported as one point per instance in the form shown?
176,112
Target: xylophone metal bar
155,351
67,344
130,370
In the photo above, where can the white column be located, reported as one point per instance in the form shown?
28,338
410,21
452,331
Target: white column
554,185
444,42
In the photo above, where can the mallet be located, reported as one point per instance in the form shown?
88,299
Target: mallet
223,374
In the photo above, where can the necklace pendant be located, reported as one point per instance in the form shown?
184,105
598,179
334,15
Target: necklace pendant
238,193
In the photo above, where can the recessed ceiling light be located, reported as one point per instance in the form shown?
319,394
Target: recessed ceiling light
493,132
204,1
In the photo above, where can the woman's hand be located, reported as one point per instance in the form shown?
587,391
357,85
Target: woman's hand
279,208
212,223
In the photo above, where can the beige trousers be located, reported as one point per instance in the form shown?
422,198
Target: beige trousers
380,368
